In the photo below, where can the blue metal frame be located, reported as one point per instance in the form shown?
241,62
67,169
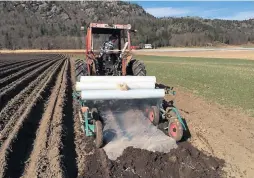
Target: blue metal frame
88,128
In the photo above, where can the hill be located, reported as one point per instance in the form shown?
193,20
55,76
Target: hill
55,25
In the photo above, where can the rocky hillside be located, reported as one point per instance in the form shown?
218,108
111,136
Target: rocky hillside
47,25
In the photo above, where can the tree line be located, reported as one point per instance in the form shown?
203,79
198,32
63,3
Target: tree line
56,25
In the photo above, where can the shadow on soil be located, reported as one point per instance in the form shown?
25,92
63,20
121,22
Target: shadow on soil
186,133
69,158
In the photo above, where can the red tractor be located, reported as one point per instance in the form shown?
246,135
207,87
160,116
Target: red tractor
117,62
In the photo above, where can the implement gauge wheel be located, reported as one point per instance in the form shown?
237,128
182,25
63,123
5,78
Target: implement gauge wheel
175,130
98,134
154,115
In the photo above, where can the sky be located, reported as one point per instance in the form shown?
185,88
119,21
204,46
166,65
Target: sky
234,10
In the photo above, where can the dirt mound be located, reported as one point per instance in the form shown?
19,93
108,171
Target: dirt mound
185,161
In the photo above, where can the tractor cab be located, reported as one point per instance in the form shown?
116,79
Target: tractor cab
99,33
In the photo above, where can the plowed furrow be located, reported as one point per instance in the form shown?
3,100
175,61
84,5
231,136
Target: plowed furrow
16,67
45,158
27,63
23,133
9,91
10,78
78,139
68,150
12,62
8,60
9,112
83,145
7,64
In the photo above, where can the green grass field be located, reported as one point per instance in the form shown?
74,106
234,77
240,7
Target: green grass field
226,81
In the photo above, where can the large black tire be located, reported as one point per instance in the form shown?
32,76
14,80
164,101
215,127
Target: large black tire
81,69
98,134
136,68
77,62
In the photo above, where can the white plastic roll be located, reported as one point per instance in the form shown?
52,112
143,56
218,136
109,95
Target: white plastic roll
125,79
120,94
113,85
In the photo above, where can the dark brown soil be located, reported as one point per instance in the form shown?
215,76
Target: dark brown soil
20,131
185,161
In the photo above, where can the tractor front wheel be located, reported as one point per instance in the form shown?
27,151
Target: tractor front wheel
98,134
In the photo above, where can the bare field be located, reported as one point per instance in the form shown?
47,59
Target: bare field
41,136
177,52
221,132
204,54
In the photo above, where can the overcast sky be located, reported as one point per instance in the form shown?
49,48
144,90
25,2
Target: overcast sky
222,10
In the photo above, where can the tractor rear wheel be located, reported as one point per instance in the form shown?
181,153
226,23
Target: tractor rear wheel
136,68
98,134
81,69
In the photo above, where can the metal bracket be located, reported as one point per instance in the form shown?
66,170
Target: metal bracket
89,128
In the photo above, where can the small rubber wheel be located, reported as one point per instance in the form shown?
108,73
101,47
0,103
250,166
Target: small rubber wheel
98,134
154,115
175,130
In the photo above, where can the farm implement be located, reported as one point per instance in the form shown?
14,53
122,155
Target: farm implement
114,75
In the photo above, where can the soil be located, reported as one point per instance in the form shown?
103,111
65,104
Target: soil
43,137
46,145
222,132
185,161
